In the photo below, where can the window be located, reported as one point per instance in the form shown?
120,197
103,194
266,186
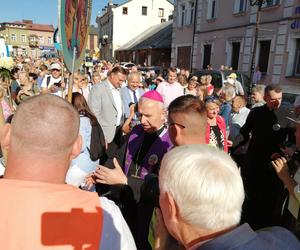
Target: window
184,57
264,53
13,37
23,38
240,6
192,12
235,55
270,3
160,12
211,9
41,39
49,40
32,39
297,59
125,11
182,15
206,55
144,11
163,20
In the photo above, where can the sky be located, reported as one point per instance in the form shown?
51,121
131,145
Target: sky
40,11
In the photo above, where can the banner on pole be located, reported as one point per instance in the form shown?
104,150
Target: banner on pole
74,22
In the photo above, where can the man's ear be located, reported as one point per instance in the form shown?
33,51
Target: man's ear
76,148
172,206
164,115
5,136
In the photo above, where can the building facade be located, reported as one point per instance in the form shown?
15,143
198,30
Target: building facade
120,23
223,34
28,38
150,48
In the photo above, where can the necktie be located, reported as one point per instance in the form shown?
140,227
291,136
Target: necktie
134,96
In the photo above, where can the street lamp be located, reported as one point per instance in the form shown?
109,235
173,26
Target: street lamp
259,4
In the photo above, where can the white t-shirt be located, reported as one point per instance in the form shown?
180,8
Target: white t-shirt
115,231
51,82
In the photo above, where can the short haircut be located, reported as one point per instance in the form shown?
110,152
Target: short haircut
228,90
205,184
118,69
172,69
44,125
272,87
43,67
259,88
192,110
132,75
241,99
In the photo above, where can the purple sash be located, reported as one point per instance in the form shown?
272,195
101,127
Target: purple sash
160,146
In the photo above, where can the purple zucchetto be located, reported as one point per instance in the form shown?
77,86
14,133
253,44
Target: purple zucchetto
153,95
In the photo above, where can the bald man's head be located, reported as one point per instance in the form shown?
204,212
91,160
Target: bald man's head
44,125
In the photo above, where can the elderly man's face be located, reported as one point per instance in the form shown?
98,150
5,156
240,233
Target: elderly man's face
134,82
151,115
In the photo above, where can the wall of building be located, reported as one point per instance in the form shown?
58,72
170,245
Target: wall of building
280,26
119,28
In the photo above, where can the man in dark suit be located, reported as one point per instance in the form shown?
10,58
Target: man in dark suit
105,101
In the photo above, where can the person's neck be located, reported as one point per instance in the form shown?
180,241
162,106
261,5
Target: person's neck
39,169
190,236
212,121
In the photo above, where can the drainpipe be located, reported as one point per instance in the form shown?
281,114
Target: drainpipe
194,31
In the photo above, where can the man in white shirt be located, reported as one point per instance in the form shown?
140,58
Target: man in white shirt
238,116
106,103
171,89
53,83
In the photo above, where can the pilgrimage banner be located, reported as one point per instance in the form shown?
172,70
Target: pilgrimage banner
74,22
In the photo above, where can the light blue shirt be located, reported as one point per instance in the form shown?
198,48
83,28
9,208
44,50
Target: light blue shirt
83,160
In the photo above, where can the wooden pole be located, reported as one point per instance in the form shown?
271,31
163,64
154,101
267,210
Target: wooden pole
70,84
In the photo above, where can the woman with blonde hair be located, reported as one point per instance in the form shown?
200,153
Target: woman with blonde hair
216,134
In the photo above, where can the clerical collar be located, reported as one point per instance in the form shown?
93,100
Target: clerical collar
157,132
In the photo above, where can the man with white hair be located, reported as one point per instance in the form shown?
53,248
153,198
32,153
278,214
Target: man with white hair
202,208
140,158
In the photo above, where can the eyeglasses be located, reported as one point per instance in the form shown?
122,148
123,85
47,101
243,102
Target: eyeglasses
170,124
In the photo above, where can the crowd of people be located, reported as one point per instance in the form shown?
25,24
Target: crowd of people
146,160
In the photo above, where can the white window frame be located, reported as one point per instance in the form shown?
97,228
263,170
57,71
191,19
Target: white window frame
41,39
270,3
191,12
49,40
182,15
144,8
211,9
161,12
13,37
240,6
23,38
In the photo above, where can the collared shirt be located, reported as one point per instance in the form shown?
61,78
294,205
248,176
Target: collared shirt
237,121
137,94
118,101
169,91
